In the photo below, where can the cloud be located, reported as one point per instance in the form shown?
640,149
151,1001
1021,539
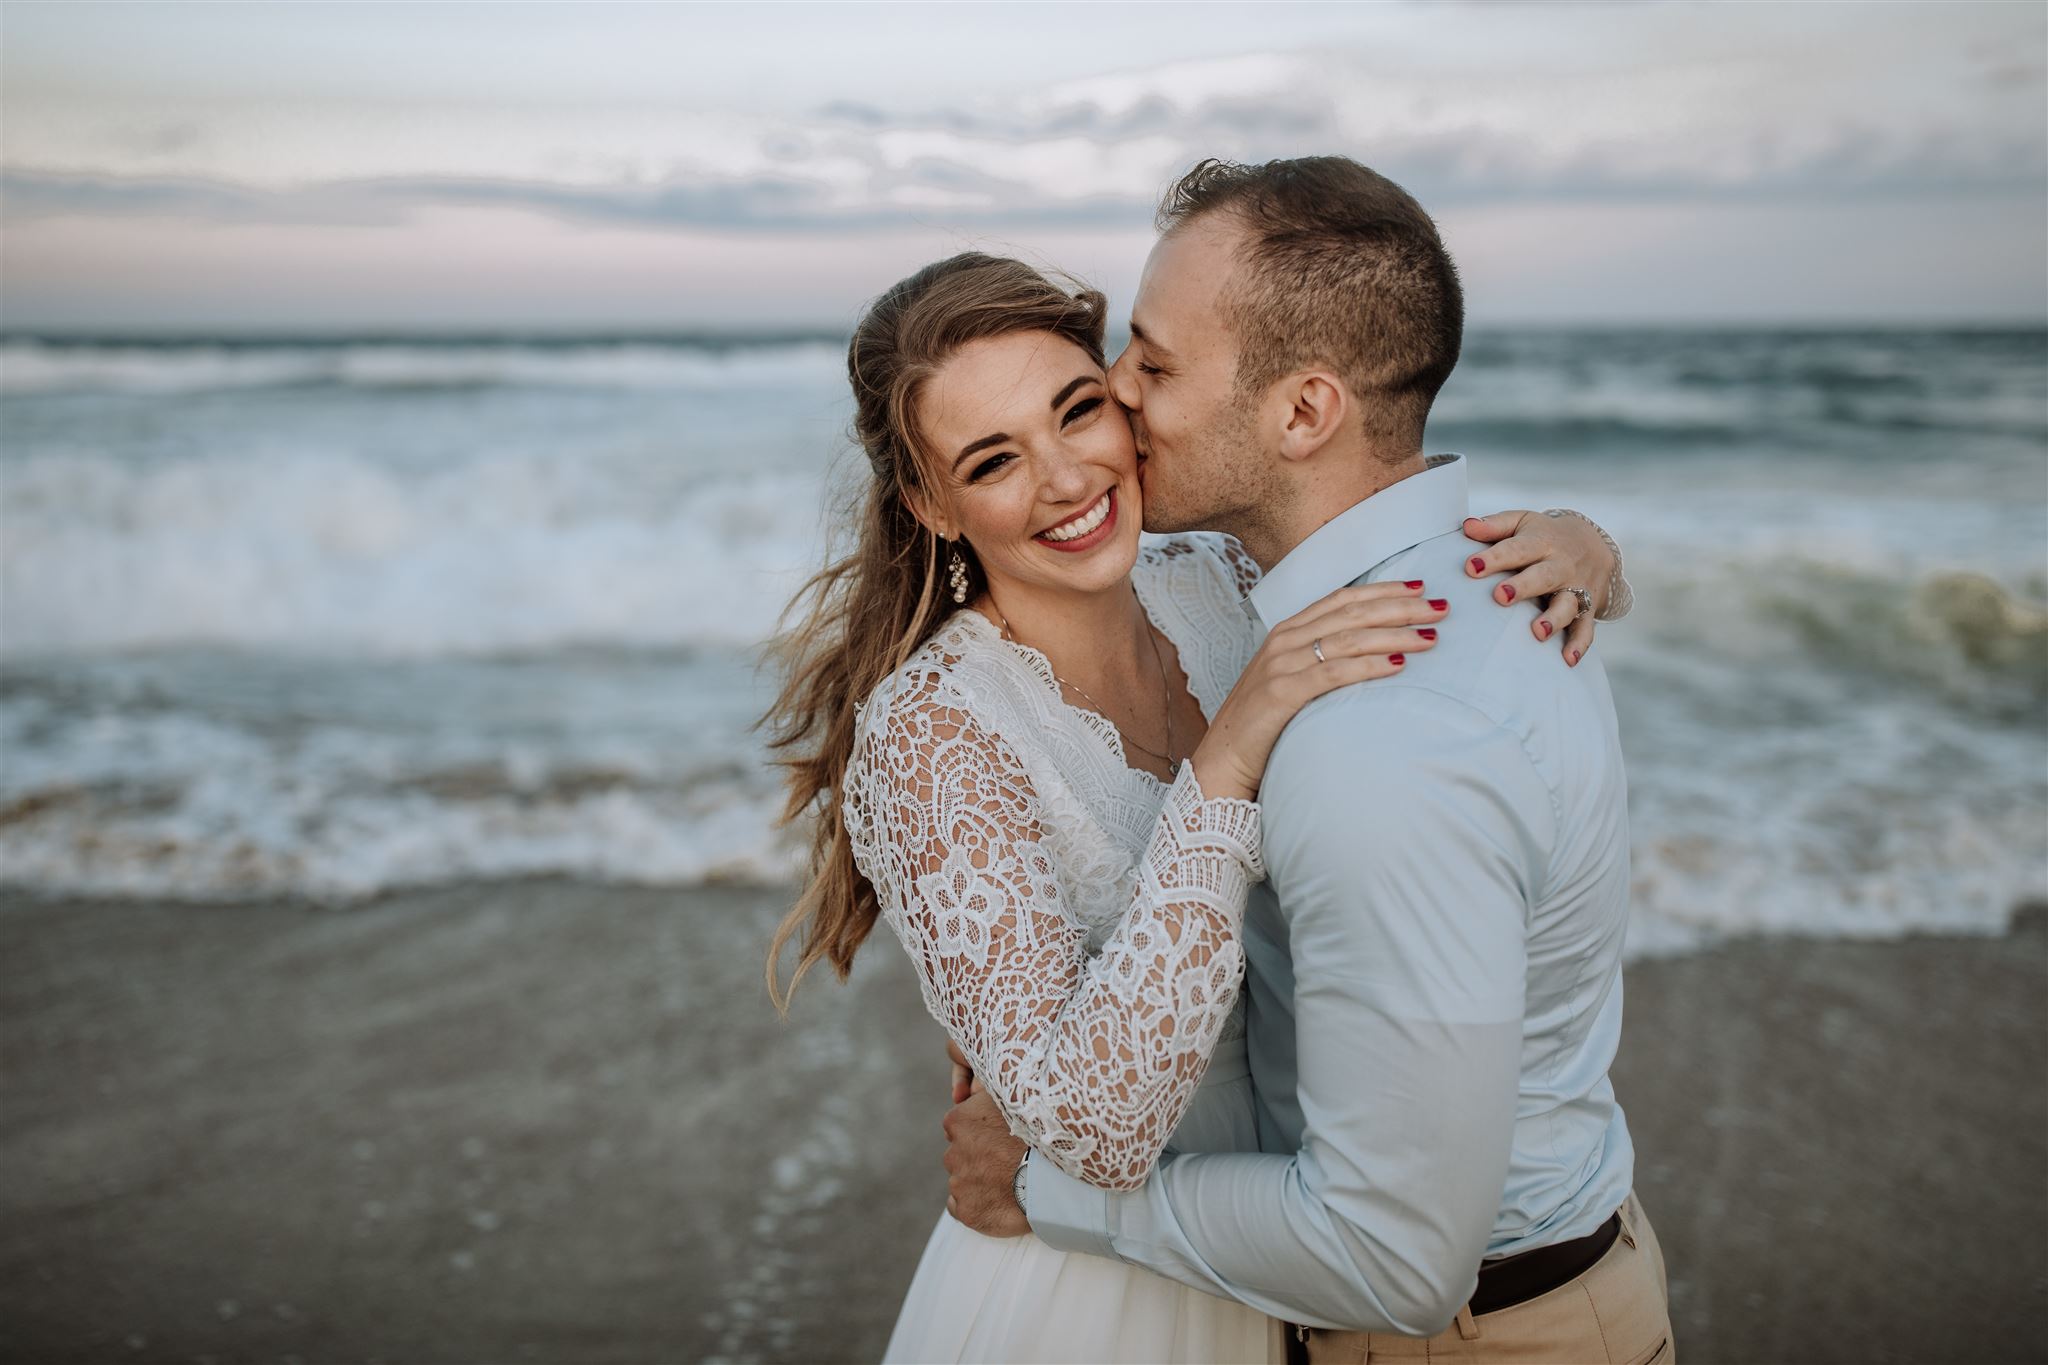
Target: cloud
928,172
27,195
1653,106
157,139
1589,161
1272,113
918,194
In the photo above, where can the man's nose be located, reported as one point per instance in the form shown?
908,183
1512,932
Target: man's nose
1123,381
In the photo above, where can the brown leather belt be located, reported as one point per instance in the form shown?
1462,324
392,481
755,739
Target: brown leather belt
1531,1274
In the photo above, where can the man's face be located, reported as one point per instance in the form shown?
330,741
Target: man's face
1198,462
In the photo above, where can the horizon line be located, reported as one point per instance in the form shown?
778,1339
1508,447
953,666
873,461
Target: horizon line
796,333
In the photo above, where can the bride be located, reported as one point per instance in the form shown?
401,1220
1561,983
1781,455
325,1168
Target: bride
1031,744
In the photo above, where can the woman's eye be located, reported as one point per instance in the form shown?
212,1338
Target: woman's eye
1143,368
1080,410
988,466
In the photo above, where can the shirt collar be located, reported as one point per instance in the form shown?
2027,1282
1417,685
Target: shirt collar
1362,536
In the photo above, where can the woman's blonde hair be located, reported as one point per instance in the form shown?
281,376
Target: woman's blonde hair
863,615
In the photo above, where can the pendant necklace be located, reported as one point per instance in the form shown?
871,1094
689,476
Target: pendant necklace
1165,697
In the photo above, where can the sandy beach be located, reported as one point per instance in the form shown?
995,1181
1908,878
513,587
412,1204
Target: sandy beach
551,1121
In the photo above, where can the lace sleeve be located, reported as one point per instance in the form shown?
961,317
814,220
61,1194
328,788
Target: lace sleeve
1092,1060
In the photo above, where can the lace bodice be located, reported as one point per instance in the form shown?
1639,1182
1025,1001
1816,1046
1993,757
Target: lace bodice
1073,920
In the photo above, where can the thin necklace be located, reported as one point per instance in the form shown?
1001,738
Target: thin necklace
1165,697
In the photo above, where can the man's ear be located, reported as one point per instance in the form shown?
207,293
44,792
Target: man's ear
1312,408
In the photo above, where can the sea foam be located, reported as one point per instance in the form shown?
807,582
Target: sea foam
36,366
326,619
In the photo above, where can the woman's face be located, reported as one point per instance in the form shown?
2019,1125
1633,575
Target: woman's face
1036,468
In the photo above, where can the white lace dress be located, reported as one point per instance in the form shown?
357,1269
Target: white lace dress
1074,923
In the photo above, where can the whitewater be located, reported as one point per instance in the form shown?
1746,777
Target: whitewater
324,618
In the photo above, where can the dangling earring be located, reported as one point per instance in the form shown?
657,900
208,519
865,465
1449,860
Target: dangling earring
956,574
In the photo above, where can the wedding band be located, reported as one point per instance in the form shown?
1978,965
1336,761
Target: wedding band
1585,599
1317,645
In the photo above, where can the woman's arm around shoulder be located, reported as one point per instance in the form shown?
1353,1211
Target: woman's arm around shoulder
1091,1059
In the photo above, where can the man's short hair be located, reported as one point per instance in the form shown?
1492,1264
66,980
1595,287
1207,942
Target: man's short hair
1340,268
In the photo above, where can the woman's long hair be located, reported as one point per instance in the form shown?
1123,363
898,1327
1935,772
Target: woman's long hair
862,616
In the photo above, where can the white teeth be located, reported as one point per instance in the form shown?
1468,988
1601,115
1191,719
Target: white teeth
1075,529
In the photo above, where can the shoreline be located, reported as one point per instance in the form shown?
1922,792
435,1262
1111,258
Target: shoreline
546,1120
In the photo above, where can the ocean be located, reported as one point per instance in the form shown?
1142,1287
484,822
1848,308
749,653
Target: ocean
323,618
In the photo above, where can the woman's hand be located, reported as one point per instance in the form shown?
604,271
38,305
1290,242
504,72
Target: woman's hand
1553,553
1360,633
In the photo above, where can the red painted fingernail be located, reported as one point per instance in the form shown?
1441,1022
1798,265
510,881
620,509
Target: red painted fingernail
1397,658
1427,632
1440,603
1414,583
1478,565
1543,629
1508,589
1572,658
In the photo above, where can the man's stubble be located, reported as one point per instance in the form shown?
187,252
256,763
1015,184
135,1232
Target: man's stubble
1221,481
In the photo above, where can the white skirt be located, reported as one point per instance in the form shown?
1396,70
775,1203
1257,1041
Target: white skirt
1015,1299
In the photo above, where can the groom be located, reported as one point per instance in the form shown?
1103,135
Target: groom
1434,985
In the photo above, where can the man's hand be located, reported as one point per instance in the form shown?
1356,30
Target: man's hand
981,1162
964,1081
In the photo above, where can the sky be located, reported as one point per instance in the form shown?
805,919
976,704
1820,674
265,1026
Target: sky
334,167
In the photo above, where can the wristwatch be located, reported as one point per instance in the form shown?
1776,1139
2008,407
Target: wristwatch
1017,1182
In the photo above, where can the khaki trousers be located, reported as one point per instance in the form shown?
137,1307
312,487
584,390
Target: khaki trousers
1617,1313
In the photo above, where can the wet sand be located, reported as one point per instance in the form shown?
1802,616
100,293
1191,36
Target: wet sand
548,1121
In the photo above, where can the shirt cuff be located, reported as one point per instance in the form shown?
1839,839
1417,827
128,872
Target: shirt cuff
1065,1213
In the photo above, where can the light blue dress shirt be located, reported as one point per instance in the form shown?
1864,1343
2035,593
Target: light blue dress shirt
1434,984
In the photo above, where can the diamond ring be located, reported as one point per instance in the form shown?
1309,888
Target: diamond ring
1585,599
1317,645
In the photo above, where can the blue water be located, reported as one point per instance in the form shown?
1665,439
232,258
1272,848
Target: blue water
326,618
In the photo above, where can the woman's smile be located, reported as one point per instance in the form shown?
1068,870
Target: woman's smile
1085,529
